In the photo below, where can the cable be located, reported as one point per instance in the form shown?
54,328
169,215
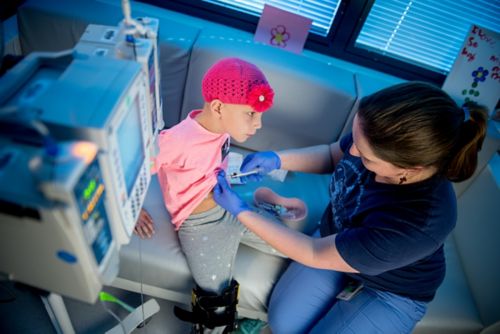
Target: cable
131,25
21,118
143,324
133,47
23,125
117,318
126,11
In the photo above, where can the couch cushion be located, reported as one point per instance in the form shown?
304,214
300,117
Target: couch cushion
467,301
477,234
453,310
52,25
312,100
366,84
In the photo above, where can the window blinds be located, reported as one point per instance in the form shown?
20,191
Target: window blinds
322,12
426,33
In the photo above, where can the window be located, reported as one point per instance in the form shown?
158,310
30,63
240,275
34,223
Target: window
412,39
321,12
426,33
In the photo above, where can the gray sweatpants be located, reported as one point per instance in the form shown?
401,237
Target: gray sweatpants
210,241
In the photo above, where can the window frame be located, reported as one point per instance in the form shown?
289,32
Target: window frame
387,64
339,43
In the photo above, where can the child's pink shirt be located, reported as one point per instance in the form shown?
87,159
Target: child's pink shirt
188,160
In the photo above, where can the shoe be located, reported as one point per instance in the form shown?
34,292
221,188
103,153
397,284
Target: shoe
249,326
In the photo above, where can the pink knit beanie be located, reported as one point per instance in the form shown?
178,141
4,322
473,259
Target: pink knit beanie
235,81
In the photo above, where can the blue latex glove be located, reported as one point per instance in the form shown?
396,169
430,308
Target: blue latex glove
264,162
227,198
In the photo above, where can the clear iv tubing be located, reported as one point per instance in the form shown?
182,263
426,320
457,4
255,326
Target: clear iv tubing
131,26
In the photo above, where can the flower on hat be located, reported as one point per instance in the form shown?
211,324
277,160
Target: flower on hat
260,97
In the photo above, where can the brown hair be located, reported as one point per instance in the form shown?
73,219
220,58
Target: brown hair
417,124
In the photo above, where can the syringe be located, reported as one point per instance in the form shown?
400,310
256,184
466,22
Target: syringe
235,175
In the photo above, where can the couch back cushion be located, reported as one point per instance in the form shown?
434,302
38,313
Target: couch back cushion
476,235
312,99
367,84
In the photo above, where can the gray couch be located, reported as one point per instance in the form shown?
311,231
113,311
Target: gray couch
316,98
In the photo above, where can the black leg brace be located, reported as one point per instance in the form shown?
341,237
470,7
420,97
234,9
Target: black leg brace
207,312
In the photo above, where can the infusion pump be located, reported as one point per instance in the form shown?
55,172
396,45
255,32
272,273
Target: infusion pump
110,41
54,230
96,99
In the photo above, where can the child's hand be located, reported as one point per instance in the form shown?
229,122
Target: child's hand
226,197
264,162
144,227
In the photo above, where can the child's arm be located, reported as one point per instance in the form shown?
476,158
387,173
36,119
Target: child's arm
144,227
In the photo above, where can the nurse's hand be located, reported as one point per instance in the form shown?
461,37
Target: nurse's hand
144,227
227,198
264,162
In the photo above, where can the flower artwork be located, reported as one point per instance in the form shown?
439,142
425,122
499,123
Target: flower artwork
279,36
282,29
475,75
479,75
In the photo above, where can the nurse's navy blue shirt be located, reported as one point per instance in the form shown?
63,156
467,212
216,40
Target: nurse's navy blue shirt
392,234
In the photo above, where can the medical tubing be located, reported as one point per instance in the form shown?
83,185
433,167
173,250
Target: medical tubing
11,125
127,12
135,50
107,297
114,316
130,22
140,279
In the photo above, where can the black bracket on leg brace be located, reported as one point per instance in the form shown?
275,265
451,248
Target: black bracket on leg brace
206,309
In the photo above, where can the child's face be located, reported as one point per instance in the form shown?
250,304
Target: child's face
240,121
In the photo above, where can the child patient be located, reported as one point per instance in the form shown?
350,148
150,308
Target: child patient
236,93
